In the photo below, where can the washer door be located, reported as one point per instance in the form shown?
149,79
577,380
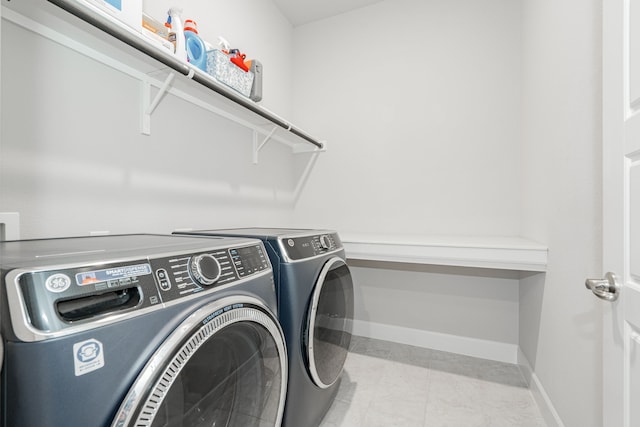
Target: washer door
330,323
224,366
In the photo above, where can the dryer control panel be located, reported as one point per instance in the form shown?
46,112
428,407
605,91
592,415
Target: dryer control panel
302,247
49,301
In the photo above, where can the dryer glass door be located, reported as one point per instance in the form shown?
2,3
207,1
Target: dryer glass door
228,369
330,323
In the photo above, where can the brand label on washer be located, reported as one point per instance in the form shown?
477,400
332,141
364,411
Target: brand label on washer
57,283
87,356
114,273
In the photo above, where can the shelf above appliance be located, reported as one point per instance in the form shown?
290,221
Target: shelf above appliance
82,28
502,253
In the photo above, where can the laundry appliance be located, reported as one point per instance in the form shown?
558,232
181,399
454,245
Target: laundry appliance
315,303
140,330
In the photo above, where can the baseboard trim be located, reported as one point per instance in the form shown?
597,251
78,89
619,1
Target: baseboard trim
548,411
492,350
485,349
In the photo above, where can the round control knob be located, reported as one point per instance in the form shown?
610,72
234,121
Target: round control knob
325,242
204,269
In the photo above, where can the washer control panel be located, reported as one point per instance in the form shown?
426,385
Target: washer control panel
187,274
57,299
298,248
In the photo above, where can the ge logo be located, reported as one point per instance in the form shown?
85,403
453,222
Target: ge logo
290,242
58,283
88,352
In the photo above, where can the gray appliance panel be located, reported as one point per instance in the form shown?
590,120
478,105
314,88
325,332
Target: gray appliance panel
49,300
294,244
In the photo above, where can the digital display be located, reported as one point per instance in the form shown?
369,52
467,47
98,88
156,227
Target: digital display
248,260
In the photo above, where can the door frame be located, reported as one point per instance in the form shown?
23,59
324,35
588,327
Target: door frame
615,243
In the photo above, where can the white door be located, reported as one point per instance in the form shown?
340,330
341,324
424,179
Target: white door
621,212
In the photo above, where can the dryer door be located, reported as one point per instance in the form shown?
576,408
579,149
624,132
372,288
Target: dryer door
225,366
330,323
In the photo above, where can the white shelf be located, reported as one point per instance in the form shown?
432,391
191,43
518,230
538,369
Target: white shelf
104,39
503,253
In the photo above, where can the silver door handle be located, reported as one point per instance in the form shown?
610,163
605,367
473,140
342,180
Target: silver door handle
607,289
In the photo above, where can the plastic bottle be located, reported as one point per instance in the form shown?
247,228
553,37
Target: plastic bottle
196,49
255,66
171,35
176,26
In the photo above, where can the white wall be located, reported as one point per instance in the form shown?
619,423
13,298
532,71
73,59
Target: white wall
73,160
560,321
492,128
420,104
479,304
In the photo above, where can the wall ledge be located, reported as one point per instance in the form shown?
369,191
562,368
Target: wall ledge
505,253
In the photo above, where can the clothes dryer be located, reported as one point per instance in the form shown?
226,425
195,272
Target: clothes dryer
140,330
315,303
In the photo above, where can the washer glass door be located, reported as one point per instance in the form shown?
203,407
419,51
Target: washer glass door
330,323
227,370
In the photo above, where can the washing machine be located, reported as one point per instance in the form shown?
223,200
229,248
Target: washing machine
140,330
315,302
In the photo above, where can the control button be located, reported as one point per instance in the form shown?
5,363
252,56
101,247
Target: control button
163,279
325,242
205,269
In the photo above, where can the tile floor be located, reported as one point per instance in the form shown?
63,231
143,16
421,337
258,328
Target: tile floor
388,384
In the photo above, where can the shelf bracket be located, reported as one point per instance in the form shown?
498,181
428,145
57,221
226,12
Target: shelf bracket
148,106
257,146
301,148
